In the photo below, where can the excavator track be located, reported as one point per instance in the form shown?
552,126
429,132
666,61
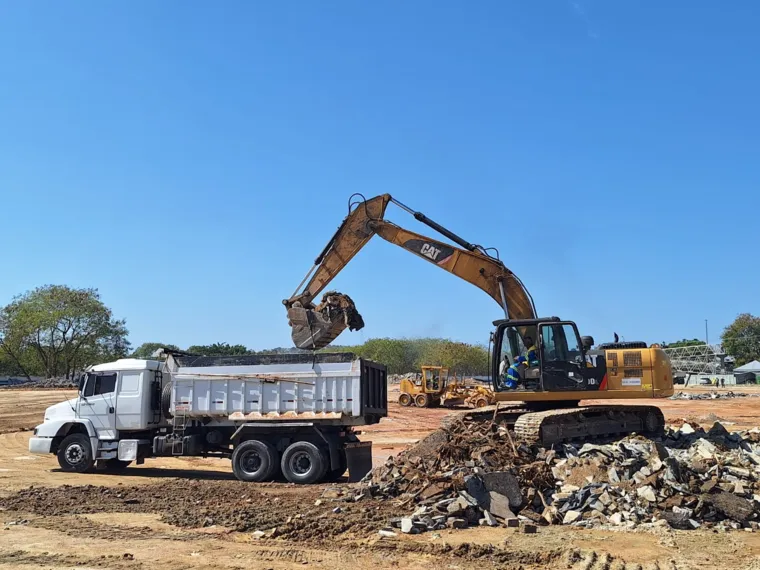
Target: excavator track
556,426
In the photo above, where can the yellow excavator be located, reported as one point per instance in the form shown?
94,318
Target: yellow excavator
565,368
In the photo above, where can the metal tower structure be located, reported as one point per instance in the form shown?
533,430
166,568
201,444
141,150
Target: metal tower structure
699,359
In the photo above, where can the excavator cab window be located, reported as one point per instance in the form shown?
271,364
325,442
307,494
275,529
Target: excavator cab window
562,358
560,354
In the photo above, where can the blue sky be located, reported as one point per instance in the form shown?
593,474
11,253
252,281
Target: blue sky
190,160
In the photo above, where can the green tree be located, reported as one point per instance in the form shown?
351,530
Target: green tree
741,339
146,349
683,342
56,330
408,355
219,349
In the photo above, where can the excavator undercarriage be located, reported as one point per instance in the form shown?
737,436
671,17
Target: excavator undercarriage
571,423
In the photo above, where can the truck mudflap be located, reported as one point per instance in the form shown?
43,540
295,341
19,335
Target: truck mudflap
359,460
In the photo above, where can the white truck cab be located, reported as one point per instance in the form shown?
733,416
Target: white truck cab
86,430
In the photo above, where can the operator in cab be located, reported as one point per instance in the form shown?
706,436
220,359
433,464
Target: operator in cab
511,376
531,356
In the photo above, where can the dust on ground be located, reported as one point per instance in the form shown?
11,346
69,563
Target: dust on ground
191,513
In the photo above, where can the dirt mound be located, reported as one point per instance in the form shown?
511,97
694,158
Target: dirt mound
231,504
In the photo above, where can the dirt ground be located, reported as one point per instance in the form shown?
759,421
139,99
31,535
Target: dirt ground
191,513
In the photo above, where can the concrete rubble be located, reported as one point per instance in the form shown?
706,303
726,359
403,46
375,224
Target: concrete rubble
715,395
38,383
472,474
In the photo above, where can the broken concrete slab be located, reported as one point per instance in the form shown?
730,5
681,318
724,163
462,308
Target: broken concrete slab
456,523
647,493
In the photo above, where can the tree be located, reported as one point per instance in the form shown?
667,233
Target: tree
56,330
147,349
741,339
408,355
683,342
220,349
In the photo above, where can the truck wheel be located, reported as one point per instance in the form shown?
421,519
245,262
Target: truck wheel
421,400
115,465
405,399
75,453
336,474
254,461
303,462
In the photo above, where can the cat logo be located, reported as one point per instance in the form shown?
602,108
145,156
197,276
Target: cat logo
430,252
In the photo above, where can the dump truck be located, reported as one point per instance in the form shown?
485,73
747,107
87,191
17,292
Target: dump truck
565,369
288,416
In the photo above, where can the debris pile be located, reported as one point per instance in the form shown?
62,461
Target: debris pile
339,306
397,378
38,383
711,396
477,474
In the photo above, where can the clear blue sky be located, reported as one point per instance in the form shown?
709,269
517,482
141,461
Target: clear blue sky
190,159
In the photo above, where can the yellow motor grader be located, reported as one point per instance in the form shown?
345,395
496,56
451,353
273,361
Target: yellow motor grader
434,387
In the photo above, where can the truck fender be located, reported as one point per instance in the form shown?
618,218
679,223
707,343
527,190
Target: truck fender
58,429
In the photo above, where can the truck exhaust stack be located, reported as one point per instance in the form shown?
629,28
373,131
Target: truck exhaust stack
313,328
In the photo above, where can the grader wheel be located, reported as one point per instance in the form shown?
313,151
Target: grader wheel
421,400
481,403
405,400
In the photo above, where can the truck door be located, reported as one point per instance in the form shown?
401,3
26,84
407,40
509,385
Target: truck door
562,361
98,403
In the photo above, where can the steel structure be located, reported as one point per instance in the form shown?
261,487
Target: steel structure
698,359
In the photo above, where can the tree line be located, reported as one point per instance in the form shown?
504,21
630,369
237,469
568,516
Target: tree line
399,355
56,331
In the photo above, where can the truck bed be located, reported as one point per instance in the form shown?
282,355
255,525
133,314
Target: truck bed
334,388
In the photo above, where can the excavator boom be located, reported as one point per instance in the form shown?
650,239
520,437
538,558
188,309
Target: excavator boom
314,327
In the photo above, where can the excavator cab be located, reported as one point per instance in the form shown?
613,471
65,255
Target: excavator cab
561,354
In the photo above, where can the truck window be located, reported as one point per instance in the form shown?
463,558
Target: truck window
105,384
130,383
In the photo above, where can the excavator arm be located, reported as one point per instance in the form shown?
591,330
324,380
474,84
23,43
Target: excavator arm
314,327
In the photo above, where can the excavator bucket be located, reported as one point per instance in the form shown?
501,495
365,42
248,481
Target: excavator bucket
313,328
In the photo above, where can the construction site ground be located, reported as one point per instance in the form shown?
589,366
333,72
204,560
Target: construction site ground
191,513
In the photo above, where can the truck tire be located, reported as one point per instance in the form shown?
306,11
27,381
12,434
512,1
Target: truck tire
254,461
304,463
75,453
335,474
405,399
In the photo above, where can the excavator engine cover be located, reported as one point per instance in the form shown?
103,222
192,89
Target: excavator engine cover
313,328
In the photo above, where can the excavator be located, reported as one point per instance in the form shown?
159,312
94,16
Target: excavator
544,407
